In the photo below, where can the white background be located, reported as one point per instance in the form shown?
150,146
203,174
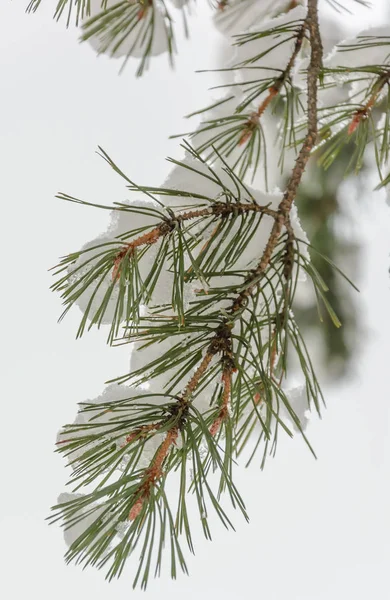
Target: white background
320,529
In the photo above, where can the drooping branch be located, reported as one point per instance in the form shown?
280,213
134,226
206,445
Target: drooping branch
138,490
221,342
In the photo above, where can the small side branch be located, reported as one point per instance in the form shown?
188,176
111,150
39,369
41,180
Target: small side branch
274,90
141,432
153,473
195,379
218,209
361,114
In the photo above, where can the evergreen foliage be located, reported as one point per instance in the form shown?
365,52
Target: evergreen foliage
199,278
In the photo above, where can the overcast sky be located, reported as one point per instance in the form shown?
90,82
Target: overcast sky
319,530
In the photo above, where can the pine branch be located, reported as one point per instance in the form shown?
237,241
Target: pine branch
286,204
217,379
235,133
104,446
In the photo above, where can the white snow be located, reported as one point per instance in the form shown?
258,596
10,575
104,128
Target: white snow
151,26
240,15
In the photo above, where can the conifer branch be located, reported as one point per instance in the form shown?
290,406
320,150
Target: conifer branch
221,336
221,342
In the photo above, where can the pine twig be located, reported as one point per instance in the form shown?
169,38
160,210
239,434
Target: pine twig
274,90
362,113
153,472
218,209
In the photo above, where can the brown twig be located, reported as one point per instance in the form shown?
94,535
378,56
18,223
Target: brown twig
194,381
153,473
361,114
147,239
254,119
140,432
218,209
